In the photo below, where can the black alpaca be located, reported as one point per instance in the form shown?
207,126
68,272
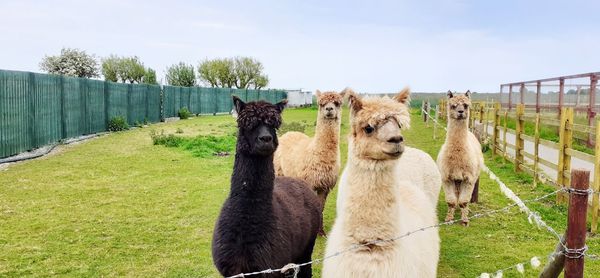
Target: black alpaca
266,222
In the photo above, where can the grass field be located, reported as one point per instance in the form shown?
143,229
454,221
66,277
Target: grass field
120,206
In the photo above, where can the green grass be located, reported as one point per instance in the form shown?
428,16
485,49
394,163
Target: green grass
121,206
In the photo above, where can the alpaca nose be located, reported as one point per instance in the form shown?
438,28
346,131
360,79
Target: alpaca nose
460,111
396,139
266,138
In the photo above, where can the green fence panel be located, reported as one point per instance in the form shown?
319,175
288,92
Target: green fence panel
208,99
73,107
184,97
223,98
168,101
195,100
95,114
117,100
153,106
252,95
14,112
137,104
47,109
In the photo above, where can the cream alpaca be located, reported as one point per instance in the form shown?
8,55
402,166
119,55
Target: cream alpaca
376,201
460,158
315,160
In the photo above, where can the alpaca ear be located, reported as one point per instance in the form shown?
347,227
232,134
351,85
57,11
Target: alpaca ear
238,104
450,94
318,93
354,101
347,90
280,105
403,96
468,93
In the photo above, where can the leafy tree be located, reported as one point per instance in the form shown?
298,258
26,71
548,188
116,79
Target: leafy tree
123,69
260,82
150,77
181,74
208,73
247,70
225,69
110,68
239,72
71,62
132,70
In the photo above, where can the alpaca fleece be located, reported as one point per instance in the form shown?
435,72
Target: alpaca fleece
460,159
314,160
265,222
377,200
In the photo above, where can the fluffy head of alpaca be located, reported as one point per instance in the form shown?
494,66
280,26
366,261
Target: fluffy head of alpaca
257,125
330,104
376,125
458,105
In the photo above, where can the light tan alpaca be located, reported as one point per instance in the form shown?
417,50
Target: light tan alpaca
460,159
315,160
377,202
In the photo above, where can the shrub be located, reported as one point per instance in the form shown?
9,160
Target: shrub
179,130
184,113
117,123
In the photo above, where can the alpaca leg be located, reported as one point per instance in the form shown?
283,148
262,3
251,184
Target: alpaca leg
466,191
451,199
464,213
475,194
450,214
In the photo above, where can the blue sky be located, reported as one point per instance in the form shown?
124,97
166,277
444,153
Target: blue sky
371,46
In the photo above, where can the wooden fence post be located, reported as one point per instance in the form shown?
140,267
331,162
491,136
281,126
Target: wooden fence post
519,142
556,262
596,186
481,109
576,226
564,159
495,131
504,155
435,121
536,144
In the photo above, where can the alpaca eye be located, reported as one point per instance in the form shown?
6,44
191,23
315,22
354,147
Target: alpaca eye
453,106
466,106
369,129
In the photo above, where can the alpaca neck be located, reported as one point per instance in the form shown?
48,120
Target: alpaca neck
252,181
457,129
371,208
327,134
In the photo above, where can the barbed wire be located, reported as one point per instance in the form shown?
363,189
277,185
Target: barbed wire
356,246
434,119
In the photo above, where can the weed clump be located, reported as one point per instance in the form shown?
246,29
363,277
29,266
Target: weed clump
117,123
184,113
201,146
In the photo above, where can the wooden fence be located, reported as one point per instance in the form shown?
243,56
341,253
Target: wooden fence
491,114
